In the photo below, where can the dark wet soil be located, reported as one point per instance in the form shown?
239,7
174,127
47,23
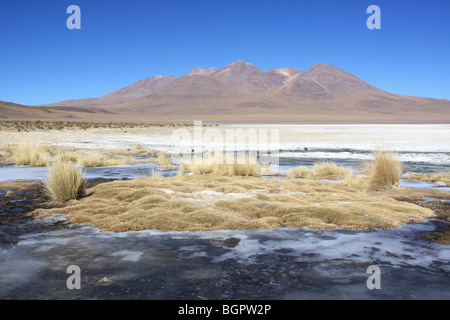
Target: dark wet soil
14,206
442,210
20,198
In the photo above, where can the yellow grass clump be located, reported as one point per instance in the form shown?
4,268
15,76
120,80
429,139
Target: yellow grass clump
99,160
360,183
66,157
223,166
65,182
165,161
212,202
200,166
322,170
156,175
299,172
138,148
3,155
26,153
329,169
384,171
180,174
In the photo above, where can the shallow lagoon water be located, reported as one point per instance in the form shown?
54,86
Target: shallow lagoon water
287,263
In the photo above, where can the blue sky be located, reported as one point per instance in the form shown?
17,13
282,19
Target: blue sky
121,42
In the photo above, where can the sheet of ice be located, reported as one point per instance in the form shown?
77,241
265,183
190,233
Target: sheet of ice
17,271
168,262
129,255
418,184
8,173
385,246
22,172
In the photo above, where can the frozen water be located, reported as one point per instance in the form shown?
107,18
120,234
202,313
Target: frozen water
128,255
286,263
131,171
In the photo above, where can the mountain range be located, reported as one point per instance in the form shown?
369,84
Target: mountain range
242,91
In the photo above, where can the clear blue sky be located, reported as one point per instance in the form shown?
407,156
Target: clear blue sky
121,42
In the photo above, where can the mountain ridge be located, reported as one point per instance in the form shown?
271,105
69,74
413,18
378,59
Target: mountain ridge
241,89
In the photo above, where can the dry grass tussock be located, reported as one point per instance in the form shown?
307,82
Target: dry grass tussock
26,153
210,202
165,161
65,182
323,170
224,166
384,171
156,175
88,159
3,155
136,150
99,160
430,177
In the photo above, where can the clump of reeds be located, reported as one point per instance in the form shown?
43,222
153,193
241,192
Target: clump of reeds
65,157
98,160
384,171
299,172
26,153
165,161
65,182
325,168
156,175
180,174
199,166
322,170
3,155
224,166
138,150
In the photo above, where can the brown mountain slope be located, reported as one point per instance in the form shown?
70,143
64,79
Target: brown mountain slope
132,92
243,91
10,110
245,75
326,81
